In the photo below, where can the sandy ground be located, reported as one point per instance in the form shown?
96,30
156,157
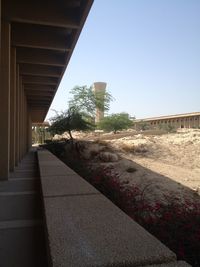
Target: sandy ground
175,155
166,165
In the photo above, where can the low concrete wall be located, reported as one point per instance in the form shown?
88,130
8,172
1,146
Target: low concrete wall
84,228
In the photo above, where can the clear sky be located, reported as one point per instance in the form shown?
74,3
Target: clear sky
147,51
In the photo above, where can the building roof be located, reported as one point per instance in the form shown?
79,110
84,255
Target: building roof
41,124
171,116
44,34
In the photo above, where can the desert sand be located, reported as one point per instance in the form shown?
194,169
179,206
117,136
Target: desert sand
164,166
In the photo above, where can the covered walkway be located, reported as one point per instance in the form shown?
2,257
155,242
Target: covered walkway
37,39
82,227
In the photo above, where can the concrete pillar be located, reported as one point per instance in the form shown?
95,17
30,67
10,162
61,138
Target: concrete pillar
12,108
23,121
193,122
0,32
29,132
26,128
5,101
20,118
24,125
196,122
23,110
187,124
17,118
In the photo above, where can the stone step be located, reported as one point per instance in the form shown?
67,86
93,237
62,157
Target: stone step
24,174
20,224
19,185
23,246
19,205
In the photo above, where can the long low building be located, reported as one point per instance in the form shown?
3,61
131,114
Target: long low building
186,120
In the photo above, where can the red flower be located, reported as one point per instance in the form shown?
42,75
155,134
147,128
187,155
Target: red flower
97,179
181,252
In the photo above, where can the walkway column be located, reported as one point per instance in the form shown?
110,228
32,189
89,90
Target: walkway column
5,101
12,108
20,118
29,125
17,118
22,136
24,123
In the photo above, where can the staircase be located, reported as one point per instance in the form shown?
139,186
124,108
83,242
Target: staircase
22,241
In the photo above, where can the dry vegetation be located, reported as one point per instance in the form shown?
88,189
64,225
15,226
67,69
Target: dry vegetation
153,177
167,164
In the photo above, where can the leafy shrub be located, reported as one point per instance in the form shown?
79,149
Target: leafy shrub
168,128
115,122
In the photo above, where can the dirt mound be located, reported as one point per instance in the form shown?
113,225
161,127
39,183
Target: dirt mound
175,156
165,164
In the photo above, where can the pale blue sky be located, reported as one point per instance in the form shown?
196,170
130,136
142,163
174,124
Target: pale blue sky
148,52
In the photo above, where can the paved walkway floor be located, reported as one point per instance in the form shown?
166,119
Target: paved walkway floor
22,242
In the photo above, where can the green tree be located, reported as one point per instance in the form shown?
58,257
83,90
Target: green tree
85,100
142,125
68,121
167,127
115,122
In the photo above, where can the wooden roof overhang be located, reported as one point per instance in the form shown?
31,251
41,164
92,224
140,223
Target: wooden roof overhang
44,34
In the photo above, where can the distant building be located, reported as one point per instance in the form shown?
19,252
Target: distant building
40,124
187,120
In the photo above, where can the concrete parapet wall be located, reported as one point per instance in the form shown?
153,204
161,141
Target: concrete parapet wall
84,228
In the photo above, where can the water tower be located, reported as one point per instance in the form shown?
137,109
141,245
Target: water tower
99,87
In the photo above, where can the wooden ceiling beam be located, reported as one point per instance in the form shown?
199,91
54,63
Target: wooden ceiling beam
44,87
51,13
26,79
39,70
35,107
37,102
41,57
38,109
43,37
37,99
39,93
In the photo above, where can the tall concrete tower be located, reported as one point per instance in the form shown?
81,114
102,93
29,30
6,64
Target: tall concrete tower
99,87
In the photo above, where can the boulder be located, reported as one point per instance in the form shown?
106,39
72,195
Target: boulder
108,157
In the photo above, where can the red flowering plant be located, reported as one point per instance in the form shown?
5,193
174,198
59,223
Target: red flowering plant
175,223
